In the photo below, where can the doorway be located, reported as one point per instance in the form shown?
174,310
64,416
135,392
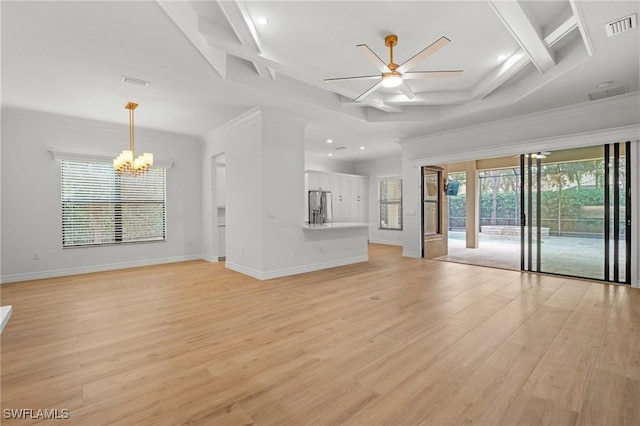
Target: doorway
566,212
219,205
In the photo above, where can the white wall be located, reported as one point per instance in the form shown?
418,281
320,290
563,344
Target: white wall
377,170
331,166
239,140
265,200
31,208
591,123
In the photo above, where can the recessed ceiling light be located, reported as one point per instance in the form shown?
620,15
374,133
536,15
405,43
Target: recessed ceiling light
604,84
362,147
329,140
263,21
330,155
501,57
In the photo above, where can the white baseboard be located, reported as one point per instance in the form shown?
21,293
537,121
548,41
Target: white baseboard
212,259
5,314
243,270
285,272
96,268
386,242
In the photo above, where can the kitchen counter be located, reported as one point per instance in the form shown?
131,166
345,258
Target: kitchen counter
335,225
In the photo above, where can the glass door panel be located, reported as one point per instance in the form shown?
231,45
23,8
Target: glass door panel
575,218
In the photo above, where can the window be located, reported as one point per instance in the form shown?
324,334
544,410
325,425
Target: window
390,204
100,207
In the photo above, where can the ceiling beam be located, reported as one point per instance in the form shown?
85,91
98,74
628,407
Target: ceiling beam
559,33
240,21
431,98
579,16
186,19
370,102
500,75
514,18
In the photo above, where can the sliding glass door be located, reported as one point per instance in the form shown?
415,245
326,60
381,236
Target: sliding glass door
576,212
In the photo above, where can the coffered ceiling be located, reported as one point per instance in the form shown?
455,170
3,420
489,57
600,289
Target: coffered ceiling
209,61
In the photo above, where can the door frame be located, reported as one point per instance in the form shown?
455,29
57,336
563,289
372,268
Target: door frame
527,218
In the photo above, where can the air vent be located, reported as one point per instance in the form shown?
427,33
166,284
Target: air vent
136,81
338,148
608,93
621,25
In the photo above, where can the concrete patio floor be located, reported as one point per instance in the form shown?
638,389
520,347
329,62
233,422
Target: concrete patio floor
575,256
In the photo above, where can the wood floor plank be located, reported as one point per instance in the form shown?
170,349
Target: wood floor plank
620,353
488,392
389,341
563,372
231,415
626,312
541,328
611,400
528,410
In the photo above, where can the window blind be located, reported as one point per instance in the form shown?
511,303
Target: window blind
390,204
100,207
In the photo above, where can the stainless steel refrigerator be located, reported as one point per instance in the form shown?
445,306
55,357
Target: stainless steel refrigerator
320,207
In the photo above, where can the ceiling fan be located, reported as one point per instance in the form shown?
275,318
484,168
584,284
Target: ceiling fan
394,75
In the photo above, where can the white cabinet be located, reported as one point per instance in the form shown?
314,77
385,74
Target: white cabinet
318,180
349,194
340,209
362,187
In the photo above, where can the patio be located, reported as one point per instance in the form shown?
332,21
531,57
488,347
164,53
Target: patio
576,256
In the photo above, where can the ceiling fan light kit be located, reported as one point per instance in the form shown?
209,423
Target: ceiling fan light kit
392,74
391,79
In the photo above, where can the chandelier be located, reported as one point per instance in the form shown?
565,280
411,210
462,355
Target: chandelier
126,163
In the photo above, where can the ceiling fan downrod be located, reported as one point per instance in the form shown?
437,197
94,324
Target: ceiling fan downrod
390,41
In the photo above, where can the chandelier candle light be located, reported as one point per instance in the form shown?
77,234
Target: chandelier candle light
126,163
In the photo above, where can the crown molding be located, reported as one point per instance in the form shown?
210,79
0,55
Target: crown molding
627,101
43,118
575,140
243,120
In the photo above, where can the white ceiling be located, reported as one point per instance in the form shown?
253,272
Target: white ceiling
210,61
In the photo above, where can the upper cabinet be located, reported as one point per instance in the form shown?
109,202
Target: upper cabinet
349,194
318,180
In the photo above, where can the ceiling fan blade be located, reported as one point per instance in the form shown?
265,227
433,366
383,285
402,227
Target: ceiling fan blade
369,91
431,74
406,90
424,54
375,59
362,77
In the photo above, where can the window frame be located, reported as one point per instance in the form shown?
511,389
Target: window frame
117,199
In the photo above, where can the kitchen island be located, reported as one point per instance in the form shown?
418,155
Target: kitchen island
335,225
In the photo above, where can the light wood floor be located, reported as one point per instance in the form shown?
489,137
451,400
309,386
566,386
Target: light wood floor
391,341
